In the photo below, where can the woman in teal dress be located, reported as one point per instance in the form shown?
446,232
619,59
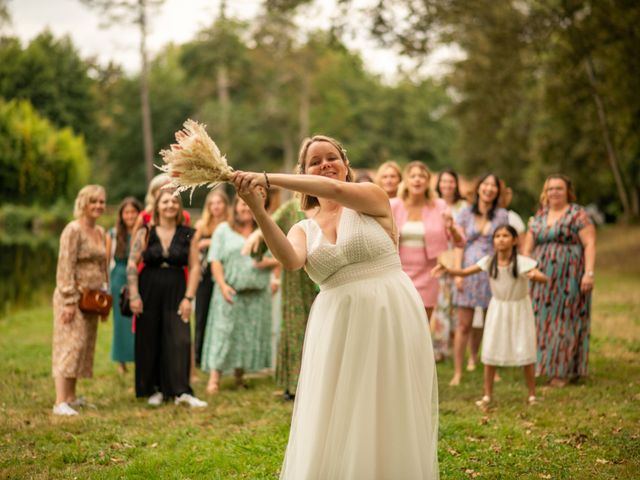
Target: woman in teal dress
118,249
238,332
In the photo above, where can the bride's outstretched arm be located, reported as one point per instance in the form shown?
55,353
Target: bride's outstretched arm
365,198
290,250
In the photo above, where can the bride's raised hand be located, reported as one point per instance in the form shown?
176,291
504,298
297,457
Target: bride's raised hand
248,180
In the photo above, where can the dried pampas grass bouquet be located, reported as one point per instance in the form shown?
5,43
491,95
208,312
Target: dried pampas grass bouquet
195,160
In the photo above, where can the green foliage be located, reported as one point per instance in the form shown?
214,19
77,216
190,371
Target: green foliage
51,75
119,154
38,163
525,104
15,218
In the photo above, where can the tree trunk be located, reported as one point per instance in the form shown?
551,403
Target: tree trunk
612,155
304,111
222,82
147,135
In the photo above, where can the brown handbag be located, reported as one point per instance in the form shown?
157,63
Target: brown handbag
96,302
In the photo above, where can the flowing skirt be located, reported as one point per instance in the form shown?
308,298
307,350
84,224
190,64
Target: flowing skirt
366,404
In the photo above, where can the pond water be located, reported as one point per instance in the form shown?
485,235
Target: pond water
27,268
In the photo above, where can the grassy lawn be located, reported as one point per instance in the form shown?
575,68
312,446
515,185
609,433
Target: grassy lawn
585,431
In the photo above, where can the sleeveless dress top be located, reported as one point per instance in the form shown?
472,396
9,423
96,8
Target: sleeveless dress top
412,235
366,403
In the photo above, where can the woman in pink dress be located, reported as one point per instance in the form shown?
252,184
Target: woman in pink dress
425,227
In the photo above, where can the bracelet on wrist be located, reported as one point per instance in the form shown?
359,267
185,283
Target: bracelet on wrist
187,297
266,180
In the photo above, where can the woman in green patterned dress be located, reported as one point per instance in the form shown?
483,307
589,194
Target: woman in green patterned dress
238,332
298,293
118,250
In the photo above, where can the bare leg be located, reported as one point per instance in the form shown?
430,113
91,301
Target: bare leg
65,389
429,312
476,340
122,368
238,373
489,374
214,382
194,373
530,379
465,317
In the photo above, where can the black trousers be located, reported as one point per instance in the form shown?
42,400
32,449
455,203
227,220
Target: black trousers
203,300
163,340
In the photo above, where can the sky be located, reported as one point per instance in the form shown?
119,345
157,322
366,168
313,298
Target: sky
178,21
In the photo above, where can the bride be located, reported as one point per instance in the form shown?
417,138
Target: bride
366,402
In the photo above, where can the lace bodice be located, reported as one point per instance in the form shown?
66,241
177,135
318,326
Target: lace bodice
362,249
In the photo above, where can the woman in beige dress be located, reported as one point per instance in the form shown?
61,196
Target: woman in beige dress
82,263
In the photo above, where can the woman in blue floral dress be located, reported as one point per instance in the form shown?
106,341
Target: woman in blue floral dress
562,239
479,221
238,332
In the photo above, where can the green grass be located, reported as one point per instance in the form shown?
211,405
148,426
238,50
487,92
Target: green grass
585,431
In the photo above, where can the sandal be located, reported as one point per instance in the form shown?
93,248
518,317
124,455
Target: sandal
484,401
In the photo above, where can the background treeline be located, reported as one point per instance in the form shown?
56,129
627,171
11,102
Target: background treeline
542,86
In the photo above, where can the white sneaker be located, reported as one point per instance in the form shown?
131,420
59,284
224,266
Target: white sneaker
64,409
155,400
190,400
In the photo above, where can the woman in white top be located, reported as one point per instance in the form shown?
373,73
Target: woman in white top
366,403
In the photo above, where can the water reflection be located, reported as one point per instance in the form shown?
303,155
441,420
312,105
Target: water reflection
27,267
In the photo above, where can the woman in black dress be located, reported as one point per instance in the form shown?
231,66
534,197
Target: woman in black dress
161,300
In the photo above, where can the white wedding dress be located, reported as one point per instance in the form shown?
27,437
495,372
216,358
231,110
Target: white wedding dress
367,399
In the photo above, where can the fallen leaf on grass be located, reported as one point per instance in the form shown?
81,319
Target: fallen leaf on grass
602,461
546,476
153,445
453,452
472,473
484,420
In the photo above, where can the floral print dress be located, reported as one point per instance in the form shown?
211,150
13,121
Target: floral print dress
562,311
82,264
238,335
476,291
298,293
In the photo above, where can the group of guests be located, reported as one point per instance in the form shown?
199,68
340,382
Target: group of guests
448,246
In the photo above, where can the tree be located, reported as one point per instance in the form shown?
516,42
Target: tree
544,85
120,149
136,12
38,162
50,73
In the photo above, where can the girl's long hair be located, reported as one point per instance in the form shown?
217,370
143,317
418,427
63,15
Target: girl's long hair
493,266
475,208
121,228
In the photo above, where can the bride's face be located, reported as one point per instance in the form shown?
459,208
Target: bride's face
324,159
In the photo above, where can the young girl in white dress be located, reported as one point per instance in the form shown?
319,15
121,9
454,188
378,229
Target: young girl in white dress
510,331
366,403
